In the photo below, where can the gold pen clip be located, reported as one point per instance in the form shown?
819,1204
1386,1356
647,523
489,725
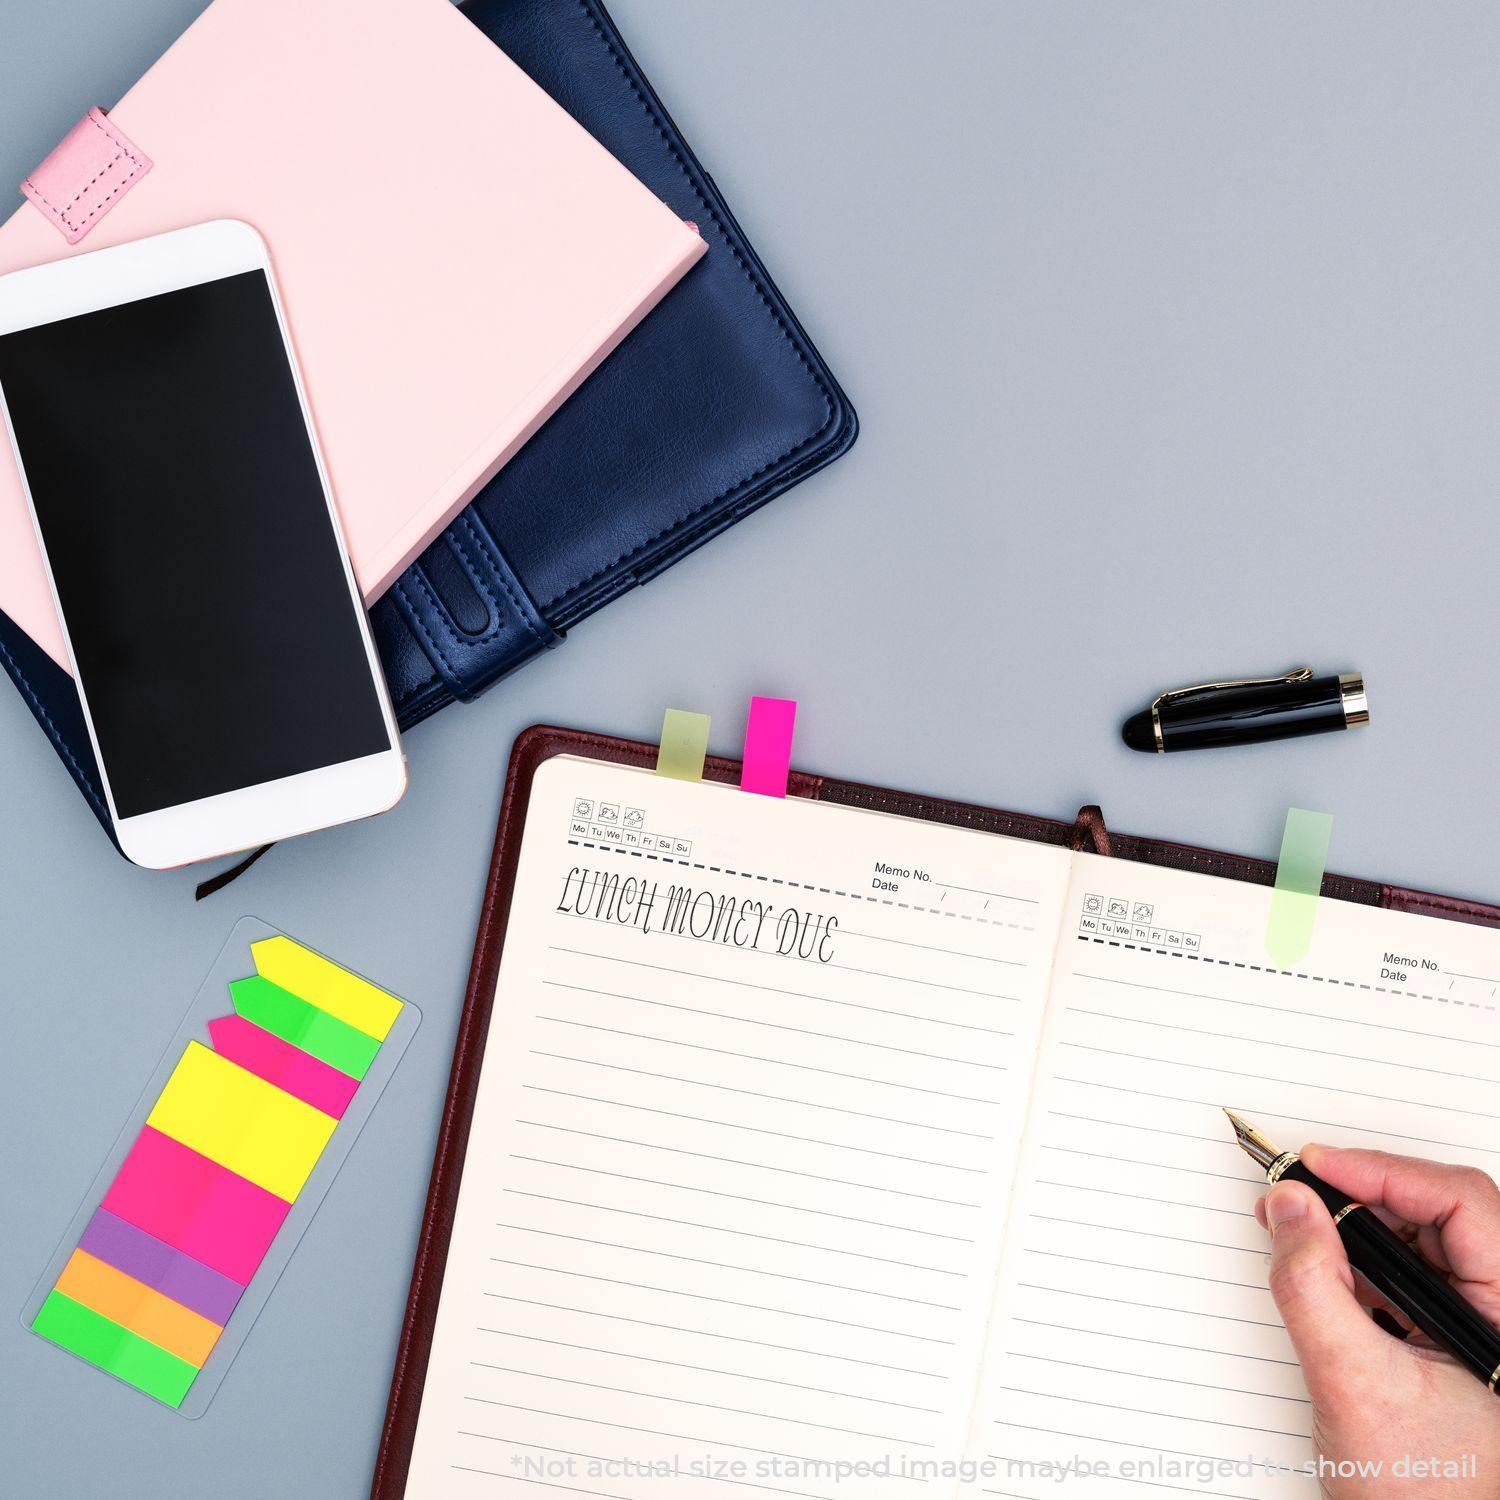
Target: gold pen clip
1292,674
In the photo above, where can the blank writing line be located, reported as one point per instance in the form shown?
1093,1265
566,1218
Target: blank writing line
748,1234
776,989
927,984
1301,1083
672,1291
687,1187
823,1036
1141,1411
724,1088
1191,1312
1273,1114
642,1036
1223,1036
1315,1015
876,937
1265,1359
1202,1385
709,1333
785,1135
1079,1187
1182,1135
735,1161
719,1265
677,1364
1249,1286
739,1411
1167,1166
1150,1234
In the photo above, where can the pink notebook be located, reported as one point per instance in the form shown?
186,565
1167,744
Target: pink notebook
455,254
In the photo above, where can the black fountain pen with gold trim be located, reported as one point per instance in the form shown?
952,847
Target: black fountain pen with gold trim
1388,1263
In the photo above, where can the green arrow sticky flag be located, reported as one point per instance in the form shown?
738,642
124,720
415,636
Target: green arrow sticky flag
1299,878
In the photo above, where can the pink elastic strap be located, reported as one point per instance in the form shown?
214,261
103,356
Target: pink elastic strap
88,173
768,746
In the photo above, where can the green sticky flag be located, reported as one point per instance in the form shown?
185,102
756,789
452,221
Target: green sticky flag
1299,879
108,1346
684,745
291,1018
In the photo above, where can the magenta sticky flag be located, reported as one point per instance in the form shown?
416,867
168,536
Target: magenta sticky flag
768,746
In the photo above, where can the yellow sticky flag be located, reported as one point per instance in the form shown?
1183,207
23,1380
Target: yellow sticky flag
324,984
223,1112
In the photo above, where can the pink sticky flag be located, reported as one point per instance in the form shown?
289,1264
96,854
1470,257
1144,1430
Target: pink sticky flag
195,1205
299,1073
768,746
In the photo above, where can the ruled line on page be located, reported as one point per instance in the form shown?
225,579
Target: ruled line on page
776,1061
1319,1086
1175,1416
985,958
1272,1115
760,1166
919,979
1205,1385
1249,1286
1083,1187
1133,1338
1277,1010
1190,1312
785,993
786,1135
931,1411
672,1291
883,1437
822,1036
702,1083
1223,1036
687,1187
720,1265
594,1312
1150,1484
1166,1166
749,1234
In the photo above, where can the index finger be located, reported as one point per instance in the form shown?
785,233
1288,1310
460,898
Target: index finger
1461,1203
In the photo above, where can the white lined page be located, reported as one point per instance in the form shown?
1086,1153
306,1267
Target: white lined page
1134,1323
736,1184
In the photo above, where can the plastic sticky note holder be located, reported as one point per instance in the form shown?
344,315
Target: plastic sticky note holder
221,1165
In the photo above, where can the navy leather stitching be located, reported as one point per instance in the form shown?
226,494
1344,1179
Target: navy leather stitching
403,699
526,611
53,733
416,619
770,306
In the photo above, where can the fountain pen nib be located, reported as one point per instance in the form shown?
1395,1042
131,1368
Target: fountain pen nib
1252,1142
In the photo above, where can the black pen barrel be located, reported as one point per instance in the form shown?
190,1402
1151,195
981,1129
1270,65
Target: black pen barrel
1407,1282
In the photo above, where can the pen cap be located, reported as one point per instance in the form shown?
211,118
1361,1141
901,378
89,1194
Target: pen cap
1244,713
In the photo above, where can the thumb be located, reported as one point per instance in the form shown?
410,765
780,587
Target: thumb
1339,1347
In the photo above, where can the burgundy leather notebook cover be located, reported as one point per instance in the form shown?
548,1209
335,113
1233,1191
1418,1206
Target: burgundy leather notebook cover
539,744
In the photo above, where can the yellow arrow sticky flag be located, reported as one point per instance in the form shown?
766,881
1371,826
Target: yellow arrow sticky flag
323,983
218,1109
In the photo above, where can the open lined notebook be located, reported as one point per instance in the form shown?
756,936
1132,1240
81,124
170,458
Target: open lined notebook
818,1151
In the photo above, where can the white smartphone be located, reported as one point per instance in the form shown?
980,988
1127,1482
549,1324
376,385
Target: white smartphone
232,690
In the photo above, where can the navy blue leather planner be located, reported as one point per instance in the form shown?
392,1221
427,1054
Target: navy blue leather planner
715,404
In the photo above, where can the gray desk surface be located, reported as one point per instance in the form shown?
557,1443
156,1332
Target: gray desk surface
1173,330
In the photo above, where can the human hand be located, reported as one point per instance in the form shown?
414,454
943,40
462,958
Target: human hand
1377,1398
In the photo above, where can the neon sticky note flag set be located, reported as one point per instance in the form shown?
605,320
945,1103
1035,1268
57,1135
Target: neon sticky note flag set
234,1143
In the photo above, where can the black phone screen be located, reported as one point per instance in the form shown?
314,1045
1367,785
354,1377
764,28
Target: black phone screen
183,518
